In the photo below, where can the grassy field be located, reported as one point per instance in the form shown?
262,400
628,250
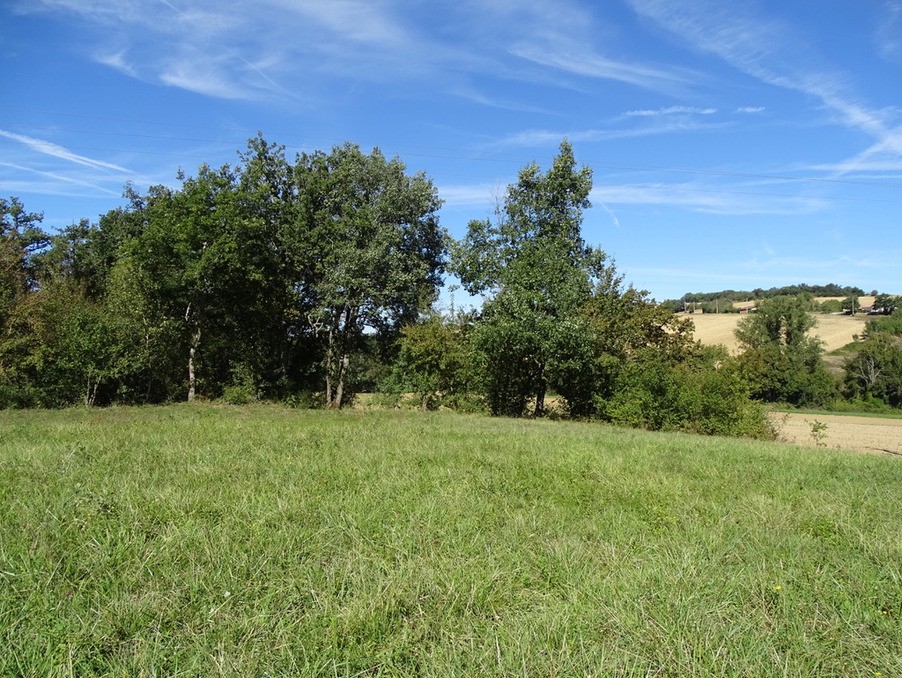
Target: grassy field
834,330
206,540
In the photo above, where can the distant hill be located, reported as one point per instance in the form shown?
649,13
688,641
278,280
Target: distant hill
726,301
830,290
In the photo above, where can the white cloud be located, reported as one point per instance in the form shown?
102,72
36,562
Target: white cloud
707,199
584,62
659,125
471,194
117,61
57,151
670,110
768,50
889,33
53,183
750,109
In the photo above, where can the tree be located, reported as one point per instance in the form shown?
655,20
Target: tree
21,238
779,360
851,304
375,251
205,262
436,362
875,370
537,271
700,393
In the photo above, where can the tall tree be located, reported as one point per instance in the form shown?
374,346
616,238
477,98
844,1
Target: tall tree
779,359
537,272
374,251
201,264
21,239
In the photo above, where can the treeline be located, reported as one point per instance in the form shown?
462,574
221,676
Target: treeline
829,290
732,301
312,279
270,279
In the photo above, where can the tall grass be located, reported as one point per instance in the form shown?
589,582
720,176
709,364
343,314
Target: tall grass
205,540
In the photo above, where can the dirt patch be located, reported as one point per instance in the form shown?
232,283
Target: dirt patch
834,330
864,434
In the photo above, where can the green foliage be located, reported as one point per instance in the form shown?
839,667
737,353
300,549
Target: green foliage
242,389
886,304
374,248
538,272
819,433
851,304
831,306
437,363
780,362
701,394
875,370
891,324
811,291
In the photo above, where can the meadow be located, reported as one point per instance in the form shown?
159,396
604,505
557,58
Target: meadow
211,540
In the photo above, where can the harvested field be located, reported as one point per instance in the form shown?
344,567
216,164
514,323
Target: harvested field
834,330
866,300
863,434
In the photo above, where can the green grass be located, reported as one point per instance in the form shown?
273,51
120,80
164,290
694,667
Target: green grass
207,540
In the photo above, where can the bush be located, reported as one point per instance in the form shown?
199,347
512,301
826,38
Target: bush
702,395
242,389
305,400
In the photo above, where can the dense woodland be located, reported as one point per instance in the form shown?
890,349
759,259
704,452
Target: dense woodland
310,279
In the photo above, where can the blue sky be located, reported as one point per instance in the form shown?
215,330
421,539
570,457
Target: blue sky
734,145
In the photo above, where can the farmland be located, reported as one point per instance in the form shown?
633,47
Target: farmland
834,330
881,435
202,539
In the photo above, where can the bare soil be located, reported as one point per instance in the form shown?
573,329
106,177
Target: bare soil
862,434
834,330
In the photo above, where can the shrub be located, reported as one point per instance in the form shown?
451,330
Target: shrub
702,395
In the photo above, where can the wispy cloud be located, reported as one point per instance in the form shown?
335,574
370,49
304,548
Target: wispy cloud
57,151
205,46
51,183
658,126
460,195
750,109
670,110
771,51
117,61
708,199
889,34
581,61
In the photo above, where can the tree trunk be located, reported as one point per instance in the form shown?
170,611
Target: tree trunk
330,349
540,395
192,352
340,387
337,358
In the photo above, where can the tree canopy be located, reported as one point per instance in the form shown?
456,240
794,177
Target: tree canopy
308,279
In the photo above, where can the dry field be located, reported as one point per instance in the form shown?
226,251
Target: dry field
834,330
863,434
866,300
